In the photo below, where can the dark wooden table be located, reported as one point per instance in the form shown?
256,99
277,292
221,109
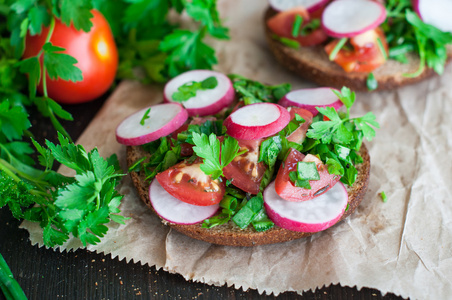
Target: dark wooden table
48,274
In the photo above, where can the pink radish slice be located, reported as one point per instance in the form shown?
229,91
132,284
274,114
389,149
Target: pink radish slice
308,216
206,102
310,5
348,18
435,12
256,121
309,99
175,211
163,120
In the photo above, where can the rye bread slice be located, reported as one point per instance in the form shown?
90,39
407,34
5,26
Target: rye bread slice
312,64
231,235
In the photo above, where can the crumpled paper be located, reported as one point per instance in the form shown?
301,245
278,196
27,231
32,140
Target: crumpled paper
403,246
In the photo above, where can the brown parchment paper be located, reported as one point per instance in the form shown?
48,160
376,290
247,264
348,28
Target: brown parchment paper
403,246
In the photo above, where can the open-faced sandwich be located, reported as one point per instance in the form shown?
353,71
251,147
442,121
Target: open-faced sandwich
235,162
361,44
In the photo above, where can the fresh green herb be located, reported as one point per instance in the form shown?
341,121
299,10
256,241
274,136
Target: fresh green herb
208,127
337,141
297,26
261,222
208,147
145,116
163,156
249,211
310,27
371,82
382,48
337,48
407,33
250,91
189,89
287,42
9,286
79,205
306,171
229,205
383,196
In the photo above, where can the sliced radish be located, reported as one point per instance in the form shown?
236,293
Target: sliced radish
310,5
347,18
309,216
175,211
162,120
435,12
205,102
309,99
256,121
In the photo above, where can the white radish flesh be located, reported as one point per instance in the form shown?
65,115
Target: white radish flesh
162,120
309,99
348,18
175,211
435,12
206,102
308,216
310,5
256,121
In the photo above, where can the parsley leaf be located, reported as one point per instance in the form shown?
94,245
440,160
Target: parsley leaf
145,116
189,89
208,147
59,64
187,51
250,91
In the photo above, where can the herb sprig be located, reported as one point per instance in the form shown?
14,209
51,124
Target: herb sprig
407,33
79,205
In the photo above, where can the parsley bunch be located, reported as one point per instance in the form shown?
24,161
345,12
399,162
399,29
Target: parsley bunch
407,33
79,205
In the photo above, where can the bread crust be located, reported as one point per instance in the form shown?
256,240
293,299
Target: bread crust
312,63
231,235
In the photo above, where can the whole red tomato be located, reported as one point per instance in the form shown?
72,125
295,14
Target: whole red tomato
95,52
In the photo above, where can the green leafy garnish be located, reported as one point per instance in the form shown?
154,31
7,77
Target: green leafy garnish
310,27
337,48
249,211
287,42
250,91
383,196
79,205
306,171
297,26
189,89
208,147
337,141
145,116
371,82
407,33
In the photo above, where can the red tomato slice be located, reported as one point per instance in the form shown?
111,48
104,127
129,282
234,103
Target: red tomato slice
288,191
244,171
299,134
282,24
365,56
189,184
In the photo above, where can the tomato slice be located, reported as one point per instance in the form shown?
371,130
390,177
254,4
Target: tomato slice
188,183
288,191
244,171
299,134
282,25
363,53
